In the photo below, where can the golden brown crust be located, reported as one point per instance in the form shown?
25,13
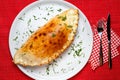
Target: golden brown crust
49,41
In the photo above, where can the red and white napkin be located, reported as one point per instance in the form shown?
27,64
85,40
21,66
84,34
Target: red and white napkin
115,42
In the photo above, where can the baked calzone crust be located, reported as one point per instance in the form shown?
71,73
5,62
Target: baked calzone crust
49,41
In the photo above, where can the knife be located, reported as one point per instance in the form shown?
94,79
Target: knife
109,42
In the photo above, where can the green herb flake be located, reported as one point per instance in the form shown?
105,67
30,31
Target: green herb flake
54,61
29,21
39,72
23,54
34,17
51,10
68,63
78,52
88,34
62,17
61,57
47,70
83,29
72,69
53,35
83,55
24,14
27,33
78,36
69,53
63,70
46,8
59,10
45,18
15,38
51,7
16,48
59,16
56,64
74,55
38,7
31,31
21,18
65,24
70,26
48,13
72,47
79,62
31,70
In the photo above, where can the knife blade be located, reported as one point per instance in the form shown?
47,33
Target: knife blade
109,42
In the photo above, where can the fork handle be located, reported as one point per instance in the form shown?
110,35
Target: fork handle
101,53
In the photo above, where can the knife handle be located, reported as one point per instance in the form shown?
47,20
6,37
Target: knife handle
101,54
109,55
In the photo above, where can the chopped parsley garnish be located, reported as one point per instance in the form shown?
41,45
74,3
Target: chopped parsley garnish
65,24
15,38
59,10
47,70
74,55
72,69
72,47
54,61
79,62
53,35
68,63
63,70
46,8
23,54
31,31
76,49
62,17
78,52
31,70
24,14
78,36
69,53
45,18
83,29
83,55
48,13
27,33
51,7
51,10
29,21
70,26
16,48
38,7
21,18
61,57
88,34
35,17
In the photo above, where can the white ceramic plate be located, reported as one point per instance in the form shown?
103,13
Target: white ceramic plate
72,60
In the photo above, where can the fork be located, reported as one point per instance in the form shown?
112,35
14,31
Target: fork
100,26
